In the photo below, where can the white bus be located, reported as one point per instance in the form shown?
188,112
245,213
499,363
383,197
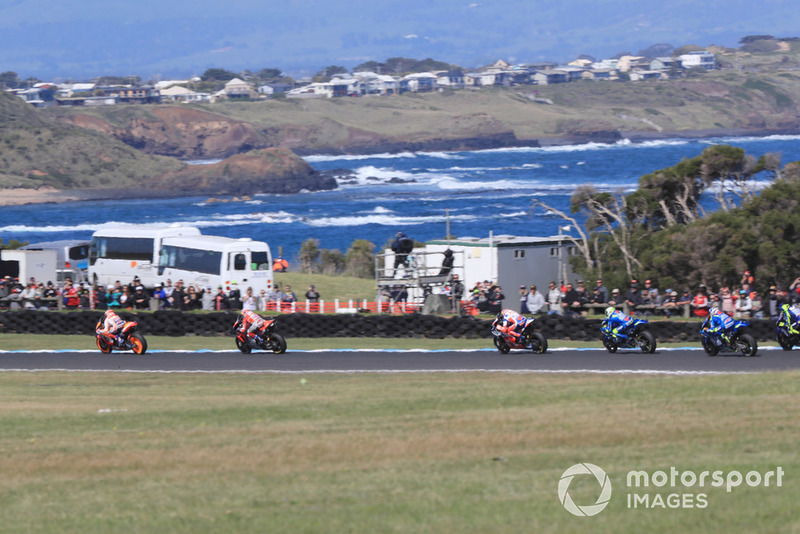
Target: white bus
211,261
125,251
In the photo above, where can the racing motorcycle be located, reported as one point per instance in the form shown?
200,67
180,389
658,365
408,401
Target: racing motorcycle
786,339
633,336
528,339
266,338
738,341
129,338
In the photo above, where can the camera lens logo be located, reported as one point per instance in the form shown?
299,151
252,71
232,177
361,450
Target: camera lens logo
591,509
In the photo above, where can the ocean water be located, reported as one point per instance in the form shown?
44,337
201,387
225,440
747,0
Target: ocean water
483,191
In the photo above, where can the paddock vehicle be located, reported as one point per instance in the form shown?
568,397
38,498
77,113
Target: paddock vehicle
129,338
633,336
737,341
266,338
528,339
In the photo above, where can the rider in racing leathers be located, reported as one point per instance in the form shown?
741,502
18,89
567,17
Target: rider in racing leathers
617,322
510,323
790,317
111,325
719,322
249,322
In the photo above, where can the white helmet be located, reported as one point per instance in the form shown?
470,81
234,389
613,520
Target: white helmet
610,311
713,310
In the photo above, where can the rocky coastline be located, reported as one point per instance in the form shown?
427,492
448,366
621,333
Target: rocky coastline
210,180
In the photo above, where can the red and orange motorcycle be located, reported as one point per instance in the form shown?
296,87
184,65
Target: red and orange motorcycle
266,338
129,338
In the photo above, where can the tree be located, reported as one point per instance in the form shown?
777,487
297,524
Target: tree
270,74
308,255
753,38
657,50
9,79
325,74
218,75
360,259
332,261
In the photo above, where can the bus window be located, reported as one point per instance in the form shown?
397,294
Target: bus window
260,261
80,252
239,262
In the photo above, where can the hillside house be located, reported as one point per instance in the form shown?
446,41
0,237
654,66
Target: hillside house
549,77
453,78
312,90
143,94
664,63
237,89
479,79
645,75
176,93
599,74
698,58
628,63
420,82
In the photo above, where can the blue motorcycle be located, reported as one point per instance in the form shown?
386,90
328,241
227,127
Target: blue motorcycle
634,336
784,335
736,341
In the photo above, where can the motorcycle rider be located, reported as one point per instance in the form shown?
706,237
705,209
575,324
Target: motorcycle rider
249,322
790,317
111,324
510,323
617,322
718,322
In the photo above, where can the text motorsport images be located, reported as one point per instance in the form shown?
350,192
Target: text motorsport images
637,483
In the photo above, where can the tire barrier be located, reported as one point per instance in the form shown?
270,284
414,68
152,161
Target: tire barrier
177,323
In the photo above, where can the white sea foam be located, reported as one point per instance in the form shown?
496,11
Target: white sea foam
356,157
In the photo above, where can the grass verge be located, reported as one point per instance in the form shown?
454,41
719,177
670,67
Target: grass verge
104,452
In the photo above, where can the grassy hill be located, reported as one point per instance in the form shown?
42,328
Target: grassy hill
37,151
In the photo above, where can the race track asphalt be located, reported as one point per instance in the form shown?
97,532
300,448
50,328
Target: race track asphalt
673,361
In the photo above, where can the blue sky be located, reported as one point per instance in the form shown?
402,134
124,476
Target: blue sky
159,40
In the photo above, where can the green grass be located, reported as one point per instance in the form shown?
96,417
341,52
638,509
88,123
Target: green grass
97,453
329,287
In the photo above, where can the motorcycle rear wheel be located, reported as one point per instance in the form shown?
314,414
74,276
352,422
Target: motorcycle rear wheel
501,345
747,345
104,345
138,343
647,342
243,346
538,343
709,346
276,343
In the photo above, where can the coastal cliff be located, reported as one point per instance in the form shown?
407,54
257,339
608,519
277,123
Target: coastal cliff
270,170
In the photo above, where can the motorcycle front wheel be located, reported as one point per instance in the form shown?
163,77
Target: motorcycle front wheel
501,345
783,341
138,343
243,346
538,342
709,346
104,345
609,345
275,343
647,342
746,344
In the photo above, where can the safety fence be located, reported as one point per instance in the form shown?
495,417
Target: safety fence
176,323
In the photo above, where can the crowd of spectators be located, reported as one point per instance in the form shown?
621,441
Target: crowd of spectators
134,296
